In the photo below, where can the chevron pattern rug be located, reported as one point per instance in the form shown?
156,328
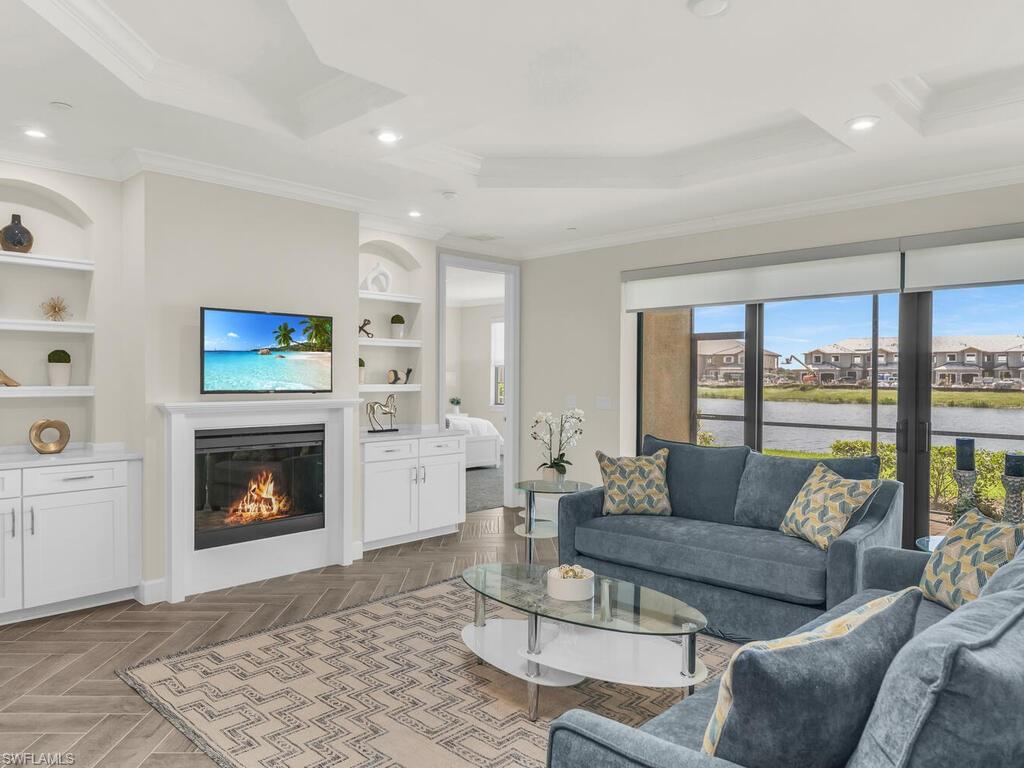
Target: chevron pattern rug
387,683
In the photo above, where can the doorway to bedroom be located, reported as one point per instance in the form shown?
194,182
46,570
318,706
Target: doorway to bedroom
477,384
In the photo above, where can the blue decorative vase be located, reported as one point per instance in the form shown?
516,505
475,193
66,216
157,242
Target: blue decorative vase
15,236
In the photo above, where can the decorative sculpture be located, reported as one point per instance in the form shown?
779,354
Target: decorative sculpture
966,498
55,309
364,328
35,436
375,409
377,279
394,377
7,381
1013,510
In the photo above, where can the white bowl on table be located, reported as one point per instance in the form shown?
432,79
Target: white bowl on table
570,589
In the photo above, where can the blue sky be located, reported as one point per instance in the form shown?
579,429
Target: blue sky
233,331
794,327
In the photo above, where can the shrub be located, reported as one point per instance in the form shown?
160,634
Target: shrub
397,320
58,356
362,363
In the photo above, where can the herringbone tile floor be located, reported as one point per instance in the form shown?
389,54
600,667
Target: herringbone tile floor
58,689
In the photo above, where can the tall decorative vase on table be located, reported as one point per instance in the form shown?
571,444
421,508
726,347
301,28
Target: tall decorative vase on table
1013,482
556,434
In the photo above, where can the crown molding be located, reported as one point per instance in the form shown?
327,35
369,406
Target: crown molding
138,160
483,248
101,171
921,190
393,226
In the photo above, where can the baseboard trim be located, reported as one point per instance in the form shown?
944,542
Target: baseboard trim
355,552
152,591
69,606
417,536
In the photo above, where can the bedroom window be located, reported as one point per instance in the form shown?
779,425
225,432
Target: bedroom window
497,384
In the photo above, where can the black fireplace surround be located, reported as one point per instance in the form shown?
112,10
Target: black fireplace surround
257,482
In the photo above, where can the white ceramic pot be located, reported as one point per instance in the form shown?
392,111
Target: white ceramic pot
455,410
59,374
398,330
570,589
362,375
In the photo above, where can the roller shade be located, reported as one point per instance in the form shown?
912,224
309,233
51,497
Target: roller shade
866,273
993,262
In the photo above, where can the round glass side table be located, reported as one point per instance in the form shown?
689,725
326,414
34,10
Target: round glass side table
532,528
928,543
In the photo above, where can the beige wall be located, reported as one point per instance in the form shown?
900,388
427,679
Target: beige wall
574,336
214,246
475,363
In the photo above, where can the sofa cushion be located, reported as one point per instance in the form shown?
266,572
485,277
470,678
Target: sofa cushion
751,560
684,723
803,700
1008,576
635,485
770,483
954,694
928,613
974,548
824,506
702,482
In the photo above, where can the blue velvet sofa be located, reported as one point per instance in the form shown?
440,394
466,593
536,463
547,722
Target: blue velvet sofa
952,696
721,551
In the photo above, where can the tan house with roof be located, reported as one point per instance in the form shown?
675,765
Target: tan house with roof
723,360
955,359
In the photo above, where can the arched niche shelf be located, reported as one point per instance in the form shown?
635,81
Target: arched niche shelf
392,251
43,198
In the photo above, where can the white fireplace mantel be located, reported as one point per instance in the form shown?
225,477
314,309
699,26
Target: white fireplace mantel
190,571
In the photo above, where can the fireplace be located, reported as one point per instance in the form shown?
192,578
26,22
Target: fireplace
257,482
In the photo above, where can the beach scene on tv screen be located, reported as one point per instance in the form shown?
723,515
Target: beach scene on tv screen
256,352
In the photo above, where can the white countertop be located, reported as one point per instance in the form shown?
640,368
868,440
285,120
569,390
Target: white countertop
18,457
409,433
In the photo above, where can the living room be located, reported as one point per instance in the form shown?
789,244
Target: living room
460,384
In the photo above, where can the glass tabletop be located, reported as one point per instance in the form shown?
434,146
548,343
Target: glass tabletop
620,606
553,486
929,543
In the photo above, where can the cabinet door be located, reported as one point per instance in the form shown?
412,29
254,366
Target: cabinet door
442,491
389,499
10,555
75,544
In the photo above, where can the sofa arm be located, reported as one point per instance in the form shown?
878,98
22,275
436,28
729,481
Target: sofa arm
880,526
580,739
573,509
893,569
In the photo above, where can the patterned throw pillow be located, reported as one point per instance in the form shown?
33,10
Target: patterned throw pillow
803,700
824,506
635,485
967,558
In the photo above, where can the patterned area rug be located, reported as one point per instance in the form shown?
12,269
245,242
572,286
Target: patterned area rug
388,683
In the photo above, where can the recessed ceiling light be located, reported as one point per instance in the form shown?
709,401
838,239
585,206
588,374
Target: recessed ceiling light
707,8
449,195
570,229
862,123
415,214
35,133
61,106
388,136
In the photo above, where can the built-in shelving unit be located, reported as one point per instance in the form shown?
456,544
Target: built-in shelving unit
396,298
408,343
27,391
45,326
47,262
390,387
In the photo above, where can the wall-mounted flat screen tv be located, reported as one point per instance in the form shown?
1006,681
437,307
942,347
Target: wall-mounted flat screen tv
247,352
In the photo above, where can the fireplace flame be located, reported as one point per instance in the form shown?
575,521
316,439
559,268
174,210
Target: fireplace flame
258,503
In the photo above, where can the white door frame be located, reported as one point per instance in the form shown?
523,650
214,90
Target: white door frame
510,270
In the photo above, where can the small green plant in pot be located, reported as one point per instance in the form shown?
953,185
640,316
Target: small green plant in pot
455,402
58,368
397,327
362,370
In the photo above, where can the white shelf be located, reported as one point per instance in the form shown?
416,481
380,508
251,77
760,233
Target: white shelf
395,298
46,326
48,262
390,387
409,343
40,391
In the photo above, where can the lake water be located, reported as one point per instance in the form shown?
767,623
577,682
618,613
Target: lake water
251,371
1005,421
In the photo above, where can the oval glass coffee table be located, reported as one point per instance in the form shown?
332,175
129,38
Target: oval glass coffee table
621,635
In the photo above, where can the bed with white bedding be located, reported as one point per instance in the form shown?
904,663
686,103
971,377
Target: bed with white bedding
483,440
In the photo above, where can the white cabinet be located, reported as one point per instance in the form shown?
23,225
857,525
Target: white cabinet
10,554
75,544
390,489
412,488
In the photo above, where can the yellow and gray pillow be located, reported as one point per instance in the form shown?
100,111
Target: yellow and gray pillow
635,485
824,506
804,699
973,550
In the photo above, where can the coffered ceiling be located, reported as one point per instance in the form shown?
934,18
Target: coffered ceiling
557,126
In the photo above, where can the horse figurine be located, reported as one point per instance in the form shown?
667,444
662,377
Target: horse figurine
374,410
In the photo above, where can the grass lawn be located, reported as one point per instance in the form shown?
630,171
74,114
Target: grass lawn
953,399
798,454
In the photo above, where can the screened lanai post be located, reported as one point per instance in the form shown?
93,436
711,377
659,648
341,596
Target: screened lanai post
753,376
913,409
